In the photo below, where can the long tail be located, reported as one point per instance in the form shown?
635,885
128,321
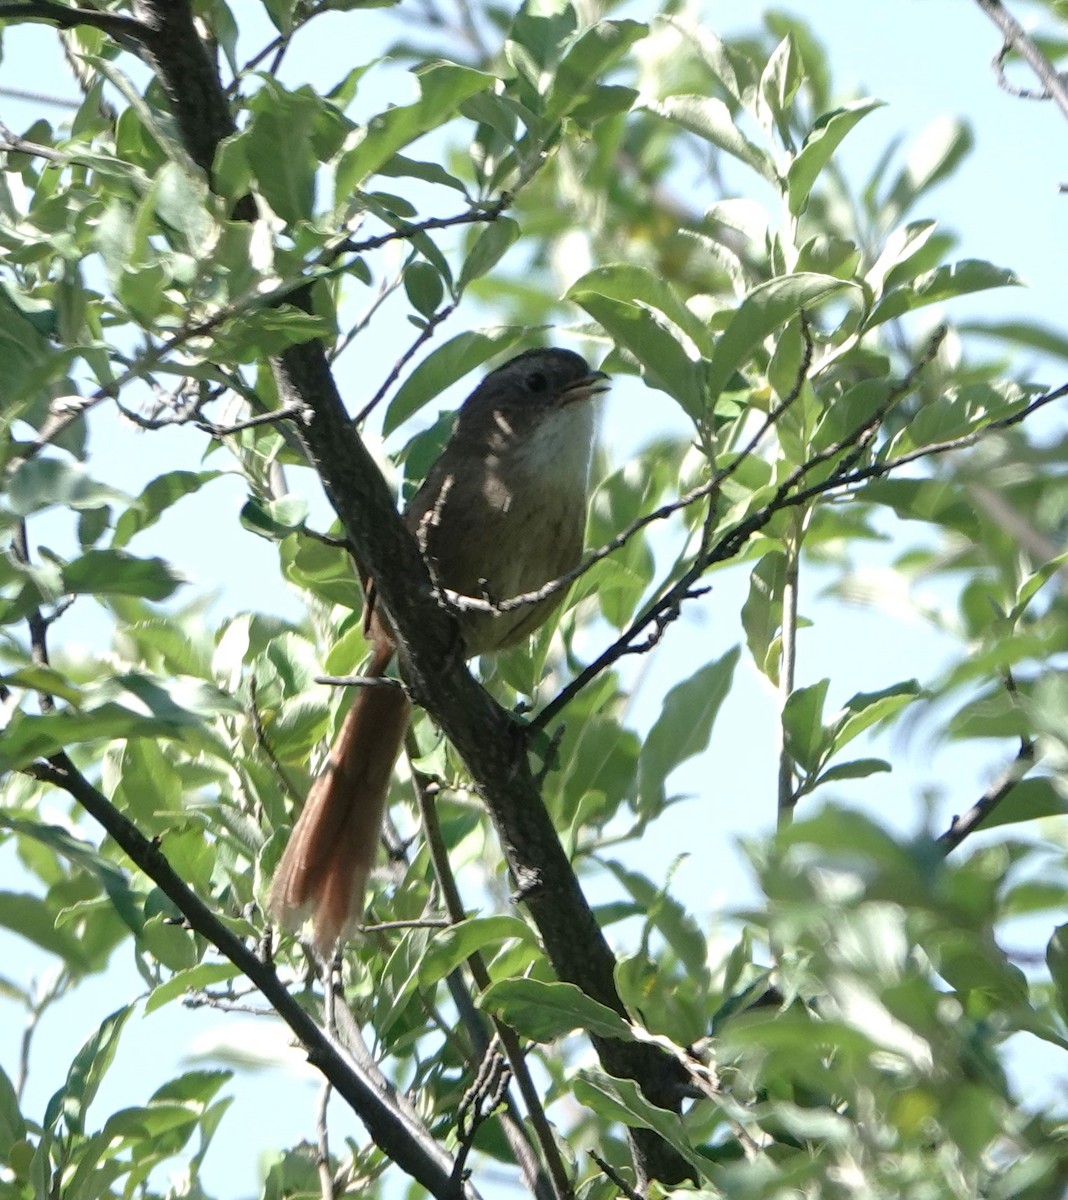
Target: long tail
324,869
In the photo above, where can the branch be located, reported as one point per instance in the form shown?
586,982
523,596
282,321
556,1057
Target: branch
961,826
556,1183
667,607
125,30
425,334
403,232
430,648
1016,36
401,1138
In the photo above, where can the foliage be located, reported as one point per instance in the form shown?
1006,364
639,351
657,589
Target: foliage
852,1037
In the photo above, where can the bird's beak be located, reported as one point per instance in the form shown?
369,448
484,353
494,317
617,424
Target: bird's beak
589,385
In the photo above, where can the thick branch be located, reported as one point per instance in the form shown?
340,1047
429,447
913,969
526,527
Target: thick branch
483,733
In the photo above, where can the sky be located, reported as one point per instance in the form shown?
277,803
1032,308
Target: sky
926,59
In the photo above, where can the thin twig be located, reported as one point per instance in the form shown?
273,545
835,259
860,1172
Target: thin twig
960,827
361,681
615,1177
425,334
666,608
557,1183
1015,35
406,232
286,413
788,670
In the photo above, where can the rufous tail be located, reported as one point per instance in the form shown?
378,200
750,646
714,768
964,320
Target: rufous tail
324,869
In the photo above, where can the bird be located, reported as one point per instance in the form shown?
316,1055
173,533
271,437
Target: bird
501,513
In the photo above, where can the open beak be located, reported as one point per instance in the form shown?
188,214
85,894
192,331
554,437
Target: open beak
589,385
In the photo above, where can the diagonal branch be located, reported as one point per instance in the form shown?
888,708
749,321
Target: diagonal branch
483,732
1017,37
406,1142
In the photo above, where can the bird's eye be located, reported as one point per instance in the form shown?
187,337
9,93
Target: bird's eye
537,382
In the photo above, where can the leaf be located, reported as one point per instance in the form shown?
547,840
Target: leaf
490,246
944,283
443,87
159,495
545,1011
443,367
935,154
663,361
455,945
711,119
31,918
587,59
802,722
1057,961
859,768
768,307
621,1100
89,1067
1029,800
866,709
636,284
85,856
12,1122
40,483
423,286
683,727
762,612
116,573
822,141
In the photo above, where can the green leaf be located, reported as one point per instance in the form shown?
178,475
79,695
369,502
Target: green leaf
31,918
455,945
85,856
40,483
116,573
545,1011
944,283
1057,961
44,679
287,137
663,361
12,1122
588,58
443,367
821,143
711,119
802,721
859,768
636,284
274,519
125,705
490,245
89,1067
866,709
621,1100
934,155
1029,800
424,287
159,495
683,727
762,612
767,308
443,87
